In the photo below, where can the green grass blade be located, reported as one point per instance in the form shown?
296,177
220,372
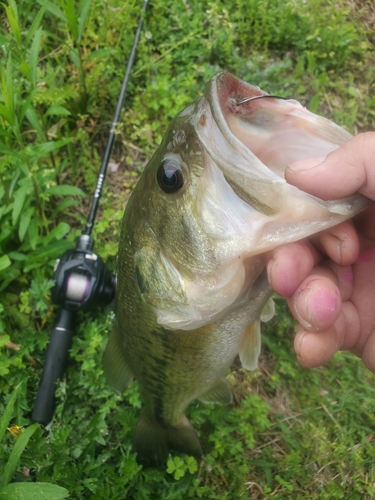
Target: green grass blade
64,205
34,54
35,122
77,62
57,233
13,6
16,453
71,18
26,105
53,9
40,150
39,257
19,199
25,222
24,67
5,113
7,89
84,10
66,190
12,15
15,177
36,23
9,83
33,491
7,415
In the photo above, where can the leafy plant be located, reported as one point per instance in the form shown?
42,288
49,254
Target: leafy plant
22,491
30,164
178,467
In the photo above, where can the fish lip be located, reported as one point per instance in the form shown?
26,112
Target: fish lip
261,184
251,179
229,85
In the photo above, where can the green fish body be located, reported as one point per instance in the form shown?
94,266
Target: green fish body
191,285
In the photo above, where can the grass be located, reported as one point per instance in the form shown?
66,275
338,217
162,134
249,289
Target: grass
292,433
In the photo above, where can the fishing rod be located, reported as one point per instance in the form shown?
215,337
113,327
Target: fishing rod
81,278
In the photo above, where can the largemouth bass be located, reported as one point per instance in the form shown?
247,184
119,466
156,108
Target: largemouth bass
191,281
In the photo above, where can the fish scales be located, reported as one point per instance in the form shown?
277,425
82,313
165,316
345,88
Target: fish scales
191,285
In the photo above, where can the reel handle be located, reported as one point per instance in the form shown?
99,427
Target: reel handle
54,366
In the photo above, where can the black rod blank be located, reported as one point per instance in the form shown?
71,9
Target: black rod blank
111,138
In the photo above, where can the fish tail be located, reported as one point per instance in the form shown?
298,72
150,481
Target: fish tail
153,441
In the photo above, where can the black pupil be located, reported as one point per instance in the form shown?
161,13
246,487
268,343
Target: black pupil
170,177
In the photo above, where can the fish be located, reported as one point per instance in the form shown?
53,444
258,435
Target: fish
191,281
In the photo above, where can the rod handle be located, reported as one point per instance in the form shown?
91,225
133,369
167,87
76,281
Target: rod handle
54,366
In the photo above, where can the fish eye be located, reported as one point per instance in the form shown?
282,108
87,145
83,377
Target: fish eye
170,176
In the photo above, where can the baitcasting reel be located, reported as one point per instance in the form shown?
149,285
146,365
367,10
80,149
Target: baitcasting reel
82,282
81,279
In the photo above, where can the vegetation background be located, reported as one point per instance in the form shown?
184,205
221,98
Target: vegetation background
291,433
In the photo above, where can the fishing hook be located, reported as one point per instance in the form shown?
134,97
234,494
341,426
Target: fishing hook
248,99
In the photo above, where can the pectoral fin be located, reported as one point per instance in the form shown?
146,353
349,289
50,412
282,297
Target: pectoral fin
220,393
116,370
181,302
250,346
268,311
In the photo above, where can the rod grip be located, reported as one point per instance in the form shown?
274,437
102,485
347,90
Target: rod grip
54,366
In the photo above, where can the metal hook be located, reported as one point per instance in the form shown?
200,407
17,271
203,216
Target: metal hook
247,99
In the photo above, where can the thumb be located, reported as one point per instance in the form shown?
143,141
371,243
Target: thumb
348,170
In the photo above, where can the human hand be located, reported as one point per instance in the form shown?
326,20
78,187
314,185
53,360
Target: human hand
329,280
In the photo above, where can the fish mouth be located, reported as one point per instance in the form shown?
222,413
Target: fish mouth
253,137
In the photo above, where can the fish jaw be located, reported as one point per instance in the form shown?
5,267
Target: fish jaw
253,143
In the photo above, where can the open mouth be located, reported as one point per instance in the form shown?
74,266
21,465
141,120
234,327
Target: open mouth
253,137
